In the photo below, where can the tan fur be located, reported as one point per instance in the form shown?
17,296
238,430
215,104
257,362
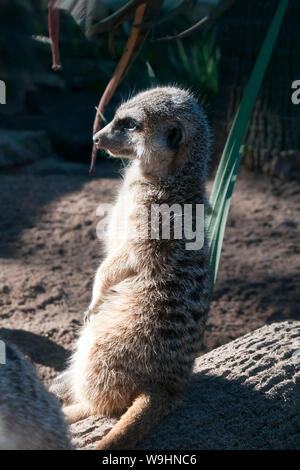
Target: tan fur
147,410
150,297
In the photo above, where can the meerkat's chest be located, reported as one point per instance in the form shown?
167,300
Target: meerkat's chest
122,221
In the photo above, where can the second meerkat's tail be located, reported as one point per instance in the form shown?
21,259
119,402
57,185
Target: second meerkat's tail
146,412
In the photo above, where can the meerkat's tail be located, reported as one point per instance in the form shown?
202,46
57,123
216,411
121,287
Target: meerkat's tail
146,412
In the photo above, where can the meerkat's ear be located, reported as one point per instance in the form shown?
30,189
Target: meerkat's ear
175,135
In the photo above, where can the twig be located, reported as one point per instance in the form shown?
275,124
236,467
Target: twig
134,41
53,26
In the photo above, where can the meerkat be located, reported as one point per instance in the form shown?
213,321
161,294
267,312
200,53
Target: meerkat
150,295
30,418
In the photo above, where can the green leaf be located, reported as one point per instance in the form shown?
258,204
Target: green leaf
171,10
210,14
106,24
228,167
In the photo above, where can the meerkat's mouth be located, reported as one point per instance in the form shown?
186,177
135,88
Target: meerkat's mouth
111,147
126,153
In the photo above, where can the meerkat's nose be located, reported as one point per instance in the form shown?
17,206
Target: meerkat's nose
103,137
96,138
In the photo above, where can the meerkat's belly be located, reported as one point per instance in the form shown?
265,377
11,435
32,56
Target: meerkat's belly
99,386
120,226
119,354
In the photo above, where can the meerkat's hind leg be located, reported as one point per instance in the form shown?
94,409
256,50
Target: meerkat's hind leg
61,387
74,413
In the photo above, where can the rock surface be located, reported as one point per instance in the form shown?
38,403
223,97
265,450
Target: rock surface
243,395
19,147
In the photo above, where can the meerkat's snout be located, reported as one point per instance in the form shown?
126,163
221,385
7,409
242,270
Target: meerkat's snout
117,139
96,138
103,138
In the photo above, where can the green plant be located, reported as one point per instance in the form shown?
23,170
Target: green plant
229,163
200,63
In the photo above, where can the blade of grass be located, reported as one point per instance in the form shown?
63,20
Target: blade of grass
151,75
217,241
228,166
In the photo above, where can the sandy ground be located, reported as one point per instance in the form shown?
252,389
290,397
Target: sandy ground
49,253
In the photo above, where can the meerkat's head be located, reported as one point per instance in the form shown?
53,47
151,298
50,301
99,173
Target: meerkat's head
162,128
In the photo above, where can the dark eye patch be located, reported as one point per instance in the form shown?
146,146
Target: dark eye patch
127,124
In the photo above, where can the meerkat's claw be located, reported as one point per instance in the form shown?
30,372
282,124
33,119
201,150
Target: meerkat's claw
87,315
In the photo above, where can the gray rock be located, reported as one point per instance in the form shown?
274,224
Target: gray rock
19,147
243,395
56,165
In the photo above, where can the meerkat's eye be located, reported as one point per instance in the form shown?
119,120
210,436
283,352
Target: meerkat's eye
128,124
